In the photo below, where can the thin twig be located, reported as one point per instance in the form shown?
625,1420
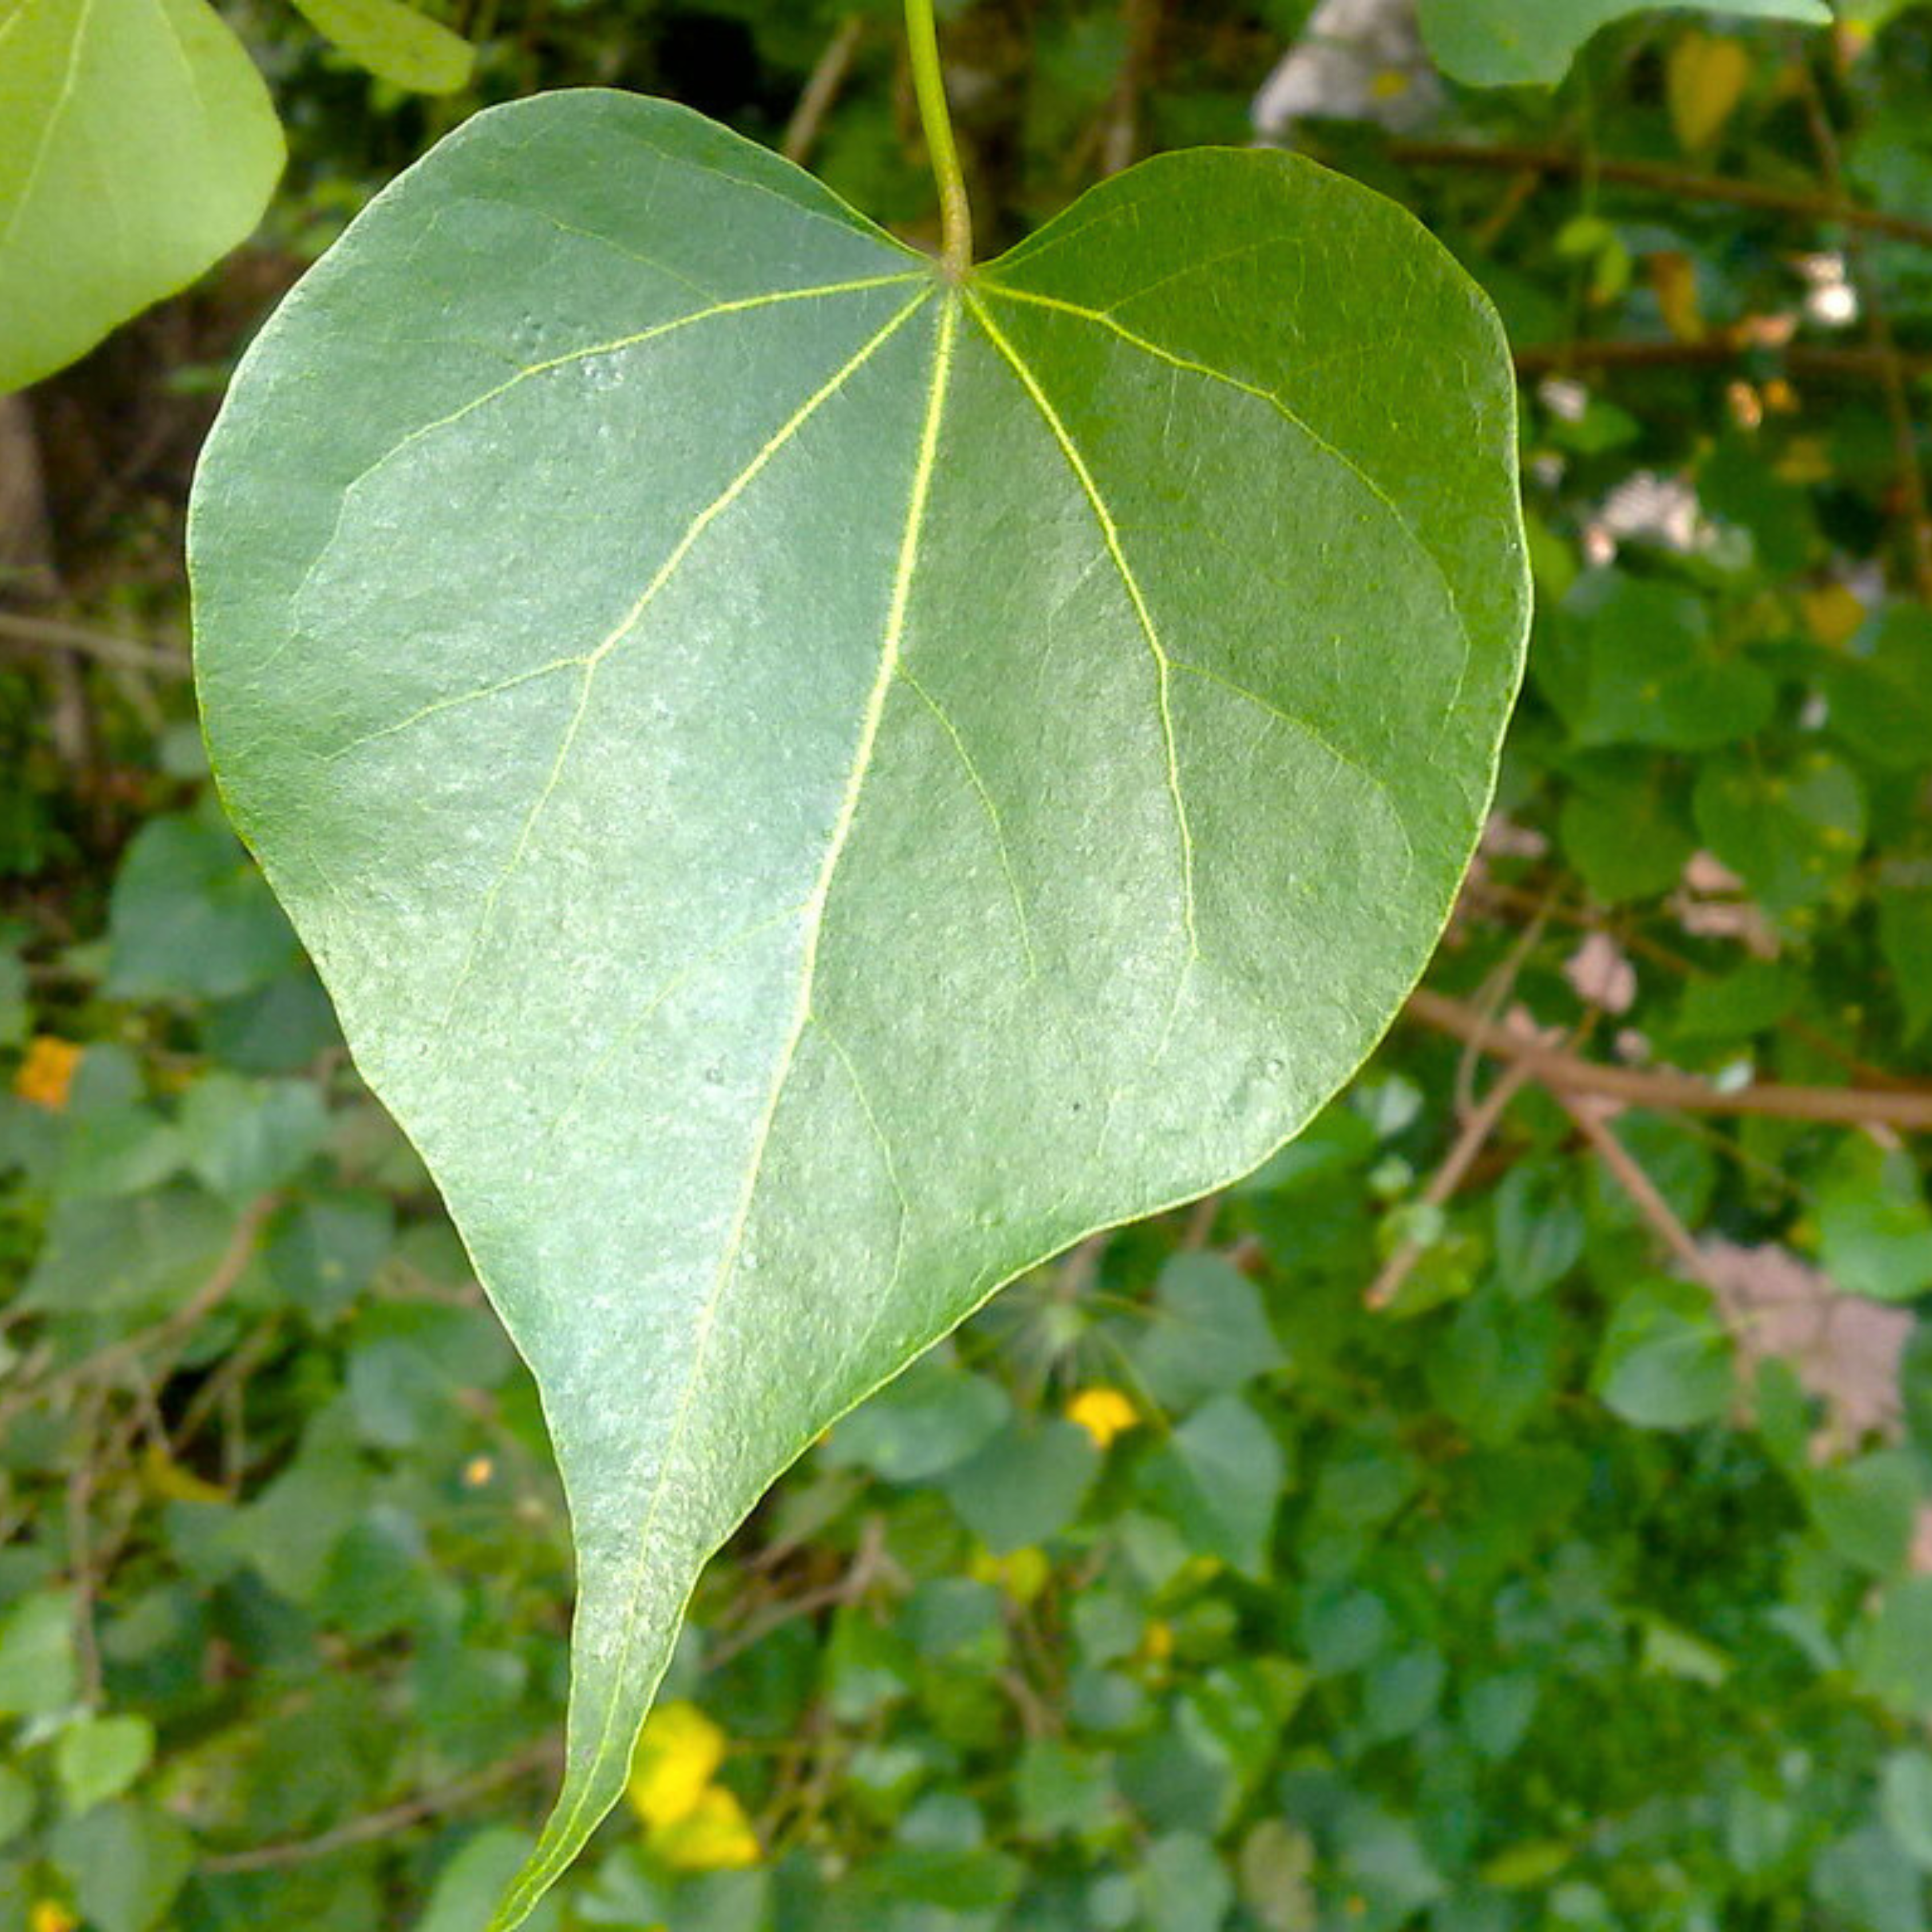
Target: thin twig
104,1363
1638,1185
1082,1264
1495,898
1468,1143
1494,995
1673,182
1910,1111
81,1559
821,89
544,1757
870,1564
1201,1221
233,1371
53,634
1120,135
1806,361
222,1279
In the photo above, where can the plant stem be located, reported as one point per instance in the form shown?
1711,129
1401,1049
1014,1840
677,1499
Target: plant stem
929,83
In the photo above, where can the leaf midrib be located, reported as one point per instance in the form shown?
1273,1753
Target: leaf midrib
538,1876
565,1828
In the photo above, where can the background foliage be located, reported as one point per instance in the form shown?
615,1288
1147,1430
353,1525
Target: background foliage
1507,1510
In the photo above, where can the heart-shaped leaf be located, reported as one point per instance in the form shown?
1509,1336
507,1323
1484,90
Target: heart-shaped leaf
137,146
815,784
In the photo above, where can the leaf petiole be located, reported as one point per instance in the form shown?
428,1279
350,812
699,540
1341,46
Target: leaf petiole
929,83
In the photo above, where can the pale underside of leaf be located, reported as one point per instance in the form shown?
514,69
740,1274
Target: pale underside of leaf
813,789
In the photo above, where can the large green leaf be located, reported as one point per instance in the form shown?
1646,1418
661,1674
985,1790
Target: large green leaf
137,146
814,786
1514,42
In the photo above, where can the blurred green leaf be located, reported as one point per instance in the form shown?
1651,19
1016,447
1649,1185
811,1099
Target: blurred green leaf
323,1251
1905,1801
1496,1712
1026,1485
1868,1508
137,146
191,917
1791,833
933,1418
1880,691
1621,831
125,1862
244,1138
395,42
1666,1360
1656,677
1184,1887
1206,1333
1893,1651
468,1886
1218,1478
37,1671
16,1804
1515,42
1905,931
1539,1227
1868,1881
1874,1227
98,1758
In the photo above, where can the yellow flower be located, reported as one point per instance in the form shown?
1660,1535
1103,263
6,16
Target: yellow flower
1104,1413
1805,461
679,1752
714,1835
165,1478
49,1915
1021,1574
45,1074
1832,614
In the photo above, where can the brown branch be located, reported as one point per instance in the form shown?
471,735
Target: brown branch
83,1564
1121,134
1808,361
821,90
51,633
1475,1132
870,1564
544,1757
1201,1221
1674,182
1643,1191
222,1280
1909,1110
